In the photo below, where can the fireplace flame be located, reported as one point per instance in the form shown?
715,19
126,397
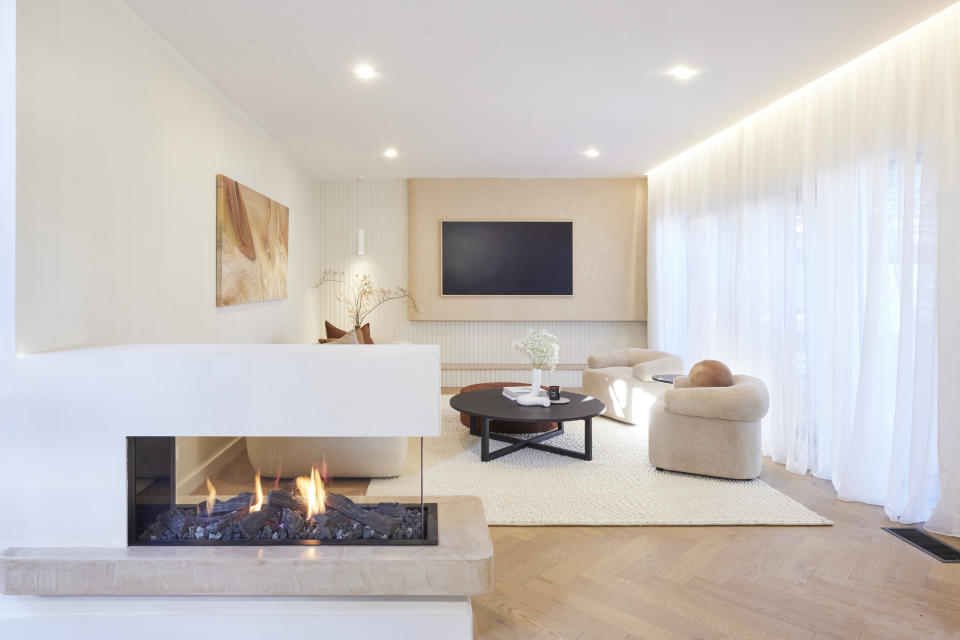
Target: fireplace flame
312,492
211,496
259,489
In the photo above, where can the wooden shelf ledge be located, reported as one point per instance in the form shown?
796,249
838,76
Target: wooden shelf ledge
507,366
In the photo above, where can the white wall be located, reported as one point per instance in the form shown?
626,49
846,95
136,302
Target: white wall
119,144
381,208
8,104
64,425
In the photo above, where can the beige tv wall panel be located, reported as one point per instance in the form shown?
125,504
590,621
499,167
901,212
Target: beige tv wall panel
609,245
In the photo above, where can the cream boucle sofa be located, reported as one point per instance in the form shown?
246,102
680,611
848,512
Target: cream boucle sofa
710,431
344,457
622,380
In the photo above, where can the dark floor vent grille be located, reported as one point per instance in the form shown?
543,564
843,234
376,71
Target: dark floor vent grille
926,543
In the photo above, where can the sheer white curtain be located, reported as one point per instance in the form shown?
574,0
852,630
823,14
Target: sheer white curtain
946,515
801,246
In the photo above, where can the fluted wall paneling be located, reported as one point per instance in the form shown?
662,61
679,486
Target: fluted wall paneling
380,208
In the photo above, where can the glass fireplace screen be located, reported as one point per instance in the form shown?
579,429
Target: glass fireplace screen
209,491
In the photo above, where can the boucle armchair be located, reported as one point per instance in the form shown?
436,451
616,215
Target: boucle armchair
710,431
622,380
371,457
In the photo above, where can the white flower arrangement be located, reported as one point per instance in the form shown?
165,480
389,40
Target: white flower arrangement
542,347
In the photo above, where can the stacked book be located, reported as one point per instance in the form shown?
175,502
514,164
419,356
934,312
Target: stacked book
515,392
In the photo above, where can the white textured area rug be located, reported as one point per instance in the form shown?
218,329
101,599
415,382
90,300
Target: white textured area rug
618,487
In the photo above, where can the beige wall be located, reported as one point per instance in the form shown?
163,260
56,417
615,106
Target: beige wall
119,142
608,215
380,207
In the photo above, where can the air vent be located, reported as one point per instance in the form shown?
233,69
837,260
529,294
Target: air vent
926,543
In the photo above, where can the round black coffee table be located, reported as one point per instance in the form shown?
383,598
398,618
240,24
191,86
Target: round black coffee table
485,405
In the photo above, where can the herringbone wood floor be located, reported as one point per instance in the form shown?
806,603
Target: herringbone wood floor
851,580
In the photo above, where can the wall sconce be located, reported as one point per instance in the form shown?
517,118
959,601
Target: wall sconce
361,239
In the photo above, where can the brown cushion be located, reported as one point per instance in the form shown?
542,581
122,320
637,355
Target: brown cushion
363,336
710,373
504,426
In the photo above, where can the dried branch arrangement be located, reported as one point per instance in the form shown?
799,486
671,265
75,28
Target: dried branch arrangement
361,297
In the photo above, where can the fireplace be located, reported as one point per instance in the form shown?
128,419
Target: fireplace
82,404
234,505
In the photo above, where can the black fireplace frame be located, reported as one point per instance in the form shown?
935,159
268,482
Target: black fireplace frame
430,535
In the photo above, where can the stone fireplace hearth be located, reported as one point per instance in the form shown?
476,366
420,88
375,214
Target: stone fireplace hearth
460,565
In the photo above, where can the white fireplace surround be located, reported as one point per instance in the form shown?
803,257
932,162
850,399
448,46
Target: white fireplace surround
68,415
73,410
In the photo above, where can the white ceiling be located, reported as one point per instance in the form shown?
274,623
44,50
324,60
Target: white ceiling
513,88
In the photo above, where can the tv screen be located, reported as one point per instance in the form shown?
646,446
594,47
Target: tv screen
506,258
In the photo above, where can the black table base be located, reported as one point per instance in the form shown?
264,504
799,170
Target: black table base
480,426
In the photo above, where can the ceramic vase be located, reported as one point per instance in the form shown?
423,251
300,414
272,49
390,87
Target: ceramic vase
535,381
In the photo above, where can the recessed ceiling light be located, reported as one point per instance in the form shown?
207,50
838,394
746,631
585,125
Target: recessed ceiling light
364,71
681,72
591,152
390,153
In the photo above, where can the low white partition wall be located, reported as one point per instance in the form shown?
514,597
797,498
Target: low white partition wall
64,472
73,410
202,389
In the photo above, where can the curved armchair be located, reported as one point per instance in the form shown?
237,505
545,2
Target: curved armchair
622,380
710,431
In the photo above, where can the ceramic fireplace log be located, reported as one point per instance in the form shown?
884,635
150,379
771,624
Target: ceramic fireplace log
283,499
293,521
219,523
174,521
254,521
380,523
242,501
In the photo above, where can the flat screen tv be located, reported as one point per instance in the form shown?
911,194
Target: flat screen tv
506,258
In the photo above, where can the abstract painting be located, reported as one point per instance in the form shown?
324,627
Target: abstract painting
252,234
